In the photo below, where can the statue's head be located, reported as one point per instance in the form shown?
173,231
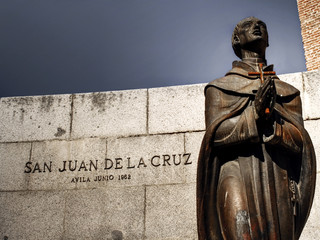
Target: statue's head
249,33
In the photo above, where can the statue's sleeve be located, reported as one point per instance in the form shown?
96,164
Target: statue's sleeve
235,130
285,133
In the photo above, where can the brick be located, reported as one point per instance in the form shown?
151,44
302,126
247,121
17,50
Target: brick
34,118
309,18
105,114
176,109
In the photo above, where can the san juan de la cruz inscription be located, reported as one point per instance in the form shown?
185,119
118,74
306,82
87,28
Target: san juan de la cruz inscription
131,165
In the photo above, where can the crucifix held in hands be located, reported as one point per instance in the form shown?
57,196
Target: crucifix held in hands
261,73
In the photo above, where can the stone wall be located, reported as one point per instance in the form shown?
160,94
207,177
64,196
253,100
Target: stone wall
309,14
112,165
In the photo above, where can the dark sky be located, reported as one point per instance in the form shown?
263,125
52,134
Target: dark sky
72,46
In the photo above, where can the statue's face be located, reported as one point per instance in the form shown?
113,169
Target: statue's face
252,30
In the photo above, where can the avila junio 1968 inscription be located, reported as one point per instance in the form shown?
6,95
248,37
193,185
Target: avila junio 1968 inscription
155,161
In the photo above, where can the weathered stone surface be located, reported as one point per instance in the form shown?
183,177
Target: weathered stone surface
310,233
176,109
31,215
35,118
296,80
312,127
132,161
312,94
144,199
13,156
193,144
105,213
103,114
312,229
157,159
55,153
171,212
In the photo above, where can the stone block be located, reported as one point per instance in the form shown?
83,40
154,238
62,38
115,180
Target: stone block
312,127
31,215
171,212
310,233
35,118
12,161
312,229
312,94
113,213
130,161
193,144
101,114
147,160
296,80
176,109
65,164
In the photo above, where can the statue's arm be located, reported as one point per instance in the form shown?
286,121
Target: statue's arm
285,133
235,130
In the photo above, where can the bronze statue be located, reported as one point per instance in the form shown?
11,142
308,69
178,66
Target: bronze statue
256,169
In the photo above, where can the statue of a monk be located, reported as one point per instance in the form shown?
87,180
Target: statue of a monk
256,169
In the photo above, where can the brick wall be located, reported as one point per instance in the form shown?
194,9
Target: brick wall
309,13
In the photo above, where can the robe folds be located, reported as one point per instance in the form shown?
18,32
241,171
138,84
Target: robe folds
277,162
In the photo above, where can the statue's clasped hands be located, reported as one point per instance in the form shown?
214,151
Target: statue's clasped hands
265,99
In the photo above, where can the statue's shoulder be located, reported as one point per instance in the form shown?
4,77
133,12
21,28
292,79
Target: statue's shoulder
285,89
234,83
219,83
238,81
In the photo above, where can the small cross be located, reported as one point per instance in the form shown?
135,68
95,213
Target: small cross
261,73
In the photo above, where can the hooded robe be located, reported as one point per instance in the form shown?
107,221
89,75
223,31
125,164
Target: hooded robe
277,162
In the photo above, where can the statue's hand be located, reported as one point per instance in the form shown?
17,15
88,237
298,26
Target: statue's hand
272,95
265,99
